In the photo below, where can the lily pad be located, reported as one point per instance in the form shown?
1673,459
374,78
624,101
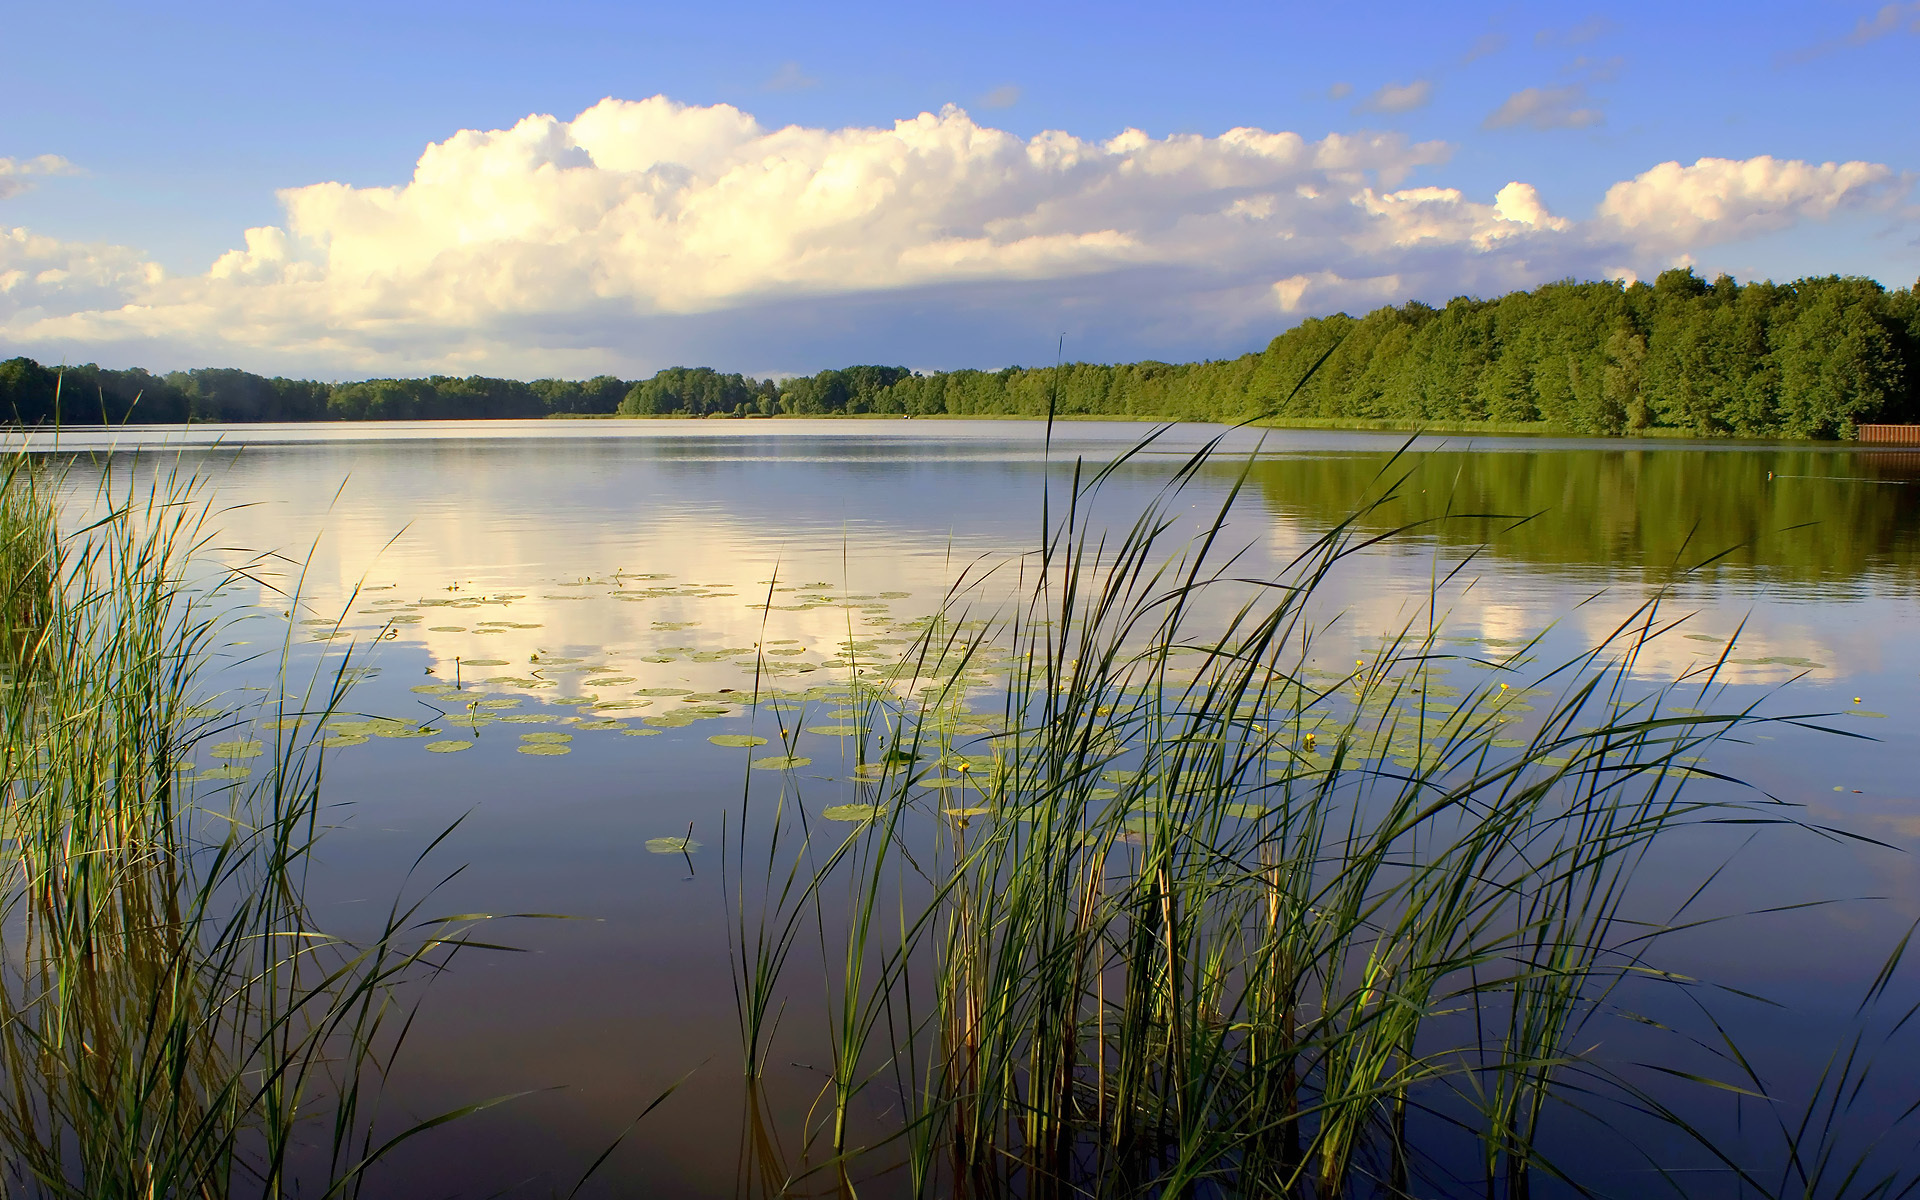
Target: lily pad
543,748
834,730
780,762
246,749
632,732
227,772
337,740
737,739
851,812
671,845
451,746
484,662
546,737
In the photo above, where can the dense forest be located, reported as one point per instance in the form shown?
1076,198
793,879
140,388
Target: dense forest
1813,358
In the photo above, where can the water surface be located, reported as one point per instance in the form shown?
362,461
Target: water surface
590,577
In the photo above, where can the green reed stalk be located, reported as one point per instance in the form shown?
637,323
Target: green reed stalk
172,1020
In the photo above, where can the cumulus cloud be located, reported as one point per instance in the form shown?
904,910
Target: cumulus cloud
42,277
16,174
1546,108
1723,199
1399,97
642,233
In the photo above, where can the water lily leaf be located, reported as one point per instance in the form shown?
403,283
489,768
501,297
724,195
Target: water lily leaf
632,732
451,746
485,662
543,748
664,691
245,749
599,725
671,845
851,812
343,739
780,762
546,737
737,739
835,730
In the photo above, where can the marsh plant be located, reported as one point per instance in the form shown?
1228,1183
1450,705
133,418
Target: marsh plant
173,1022
1136,896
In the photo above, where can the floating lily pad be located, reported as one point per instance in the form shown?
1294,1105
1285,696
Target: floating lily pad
599,725
737,739
780,762
632,732
975,811
664,692
671,845
453,629
851,812
343,739
485,662
407,734
451,746
230,771
543,748
835,730
546,737
246,749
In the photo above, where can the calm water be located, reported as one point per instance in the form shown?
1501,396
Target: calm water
588,570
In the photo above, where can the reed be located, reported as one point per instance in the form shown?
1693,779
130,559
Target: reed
173,1021
1189,915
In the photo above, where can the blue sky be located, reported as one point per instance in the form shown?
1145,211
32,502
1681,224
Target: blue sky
173,131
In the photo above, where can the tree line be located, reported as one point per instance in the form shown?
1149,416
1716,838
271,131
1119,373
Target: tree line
1809,359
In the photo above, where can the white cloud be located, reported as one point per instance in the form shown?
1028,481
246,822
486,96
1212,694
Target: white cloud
1399,97
16,174
643,233
1722,199
43,276
1546,108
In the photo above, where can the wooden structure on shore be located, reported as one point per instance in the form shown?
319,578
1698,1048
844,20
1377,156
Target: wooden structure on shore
1890,435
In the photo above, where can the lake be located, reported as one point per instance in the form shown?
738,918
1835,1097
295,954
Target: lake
625,585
